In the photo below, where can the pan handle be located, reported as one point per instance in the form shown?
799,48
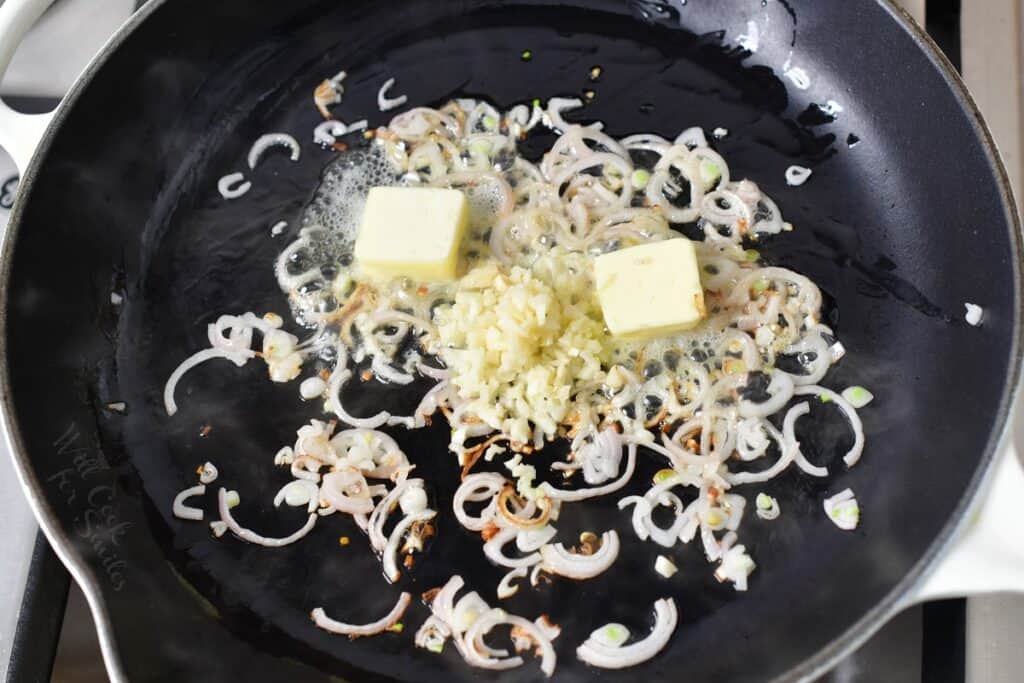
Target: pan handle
987,555
20,134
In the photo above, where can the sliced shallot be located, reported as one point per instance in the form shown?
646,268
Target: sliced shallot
265,142
601,457
493,551
251,536
506,589
328,132
596,651
843,510
233,186
497,617
852,455
386,103
558,560
388,557
475,488
298,493
182,511
321,619
583,494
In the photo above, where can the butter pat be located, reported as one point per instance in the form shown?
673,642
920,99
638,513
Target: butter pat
412,232
651,289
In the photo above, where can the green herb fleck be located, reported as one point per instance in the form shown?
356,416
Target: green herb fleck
759,287
734,366
858,396
710,172
661,476
640,178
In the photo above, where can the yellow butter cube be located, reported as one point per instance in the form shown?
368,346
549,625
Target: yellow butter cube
412,232
651,289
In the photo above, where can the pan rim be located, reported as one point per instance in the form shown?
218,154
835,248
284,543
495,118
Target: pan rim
817,664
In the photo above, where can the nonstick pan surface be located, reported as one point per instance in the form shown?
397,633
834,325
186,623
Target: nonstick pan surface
905,219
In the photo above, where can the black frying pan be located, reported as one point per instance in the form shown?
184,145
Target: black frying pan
899,230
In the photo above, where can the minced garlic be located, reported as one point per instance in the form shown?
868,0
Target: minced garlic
520,341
